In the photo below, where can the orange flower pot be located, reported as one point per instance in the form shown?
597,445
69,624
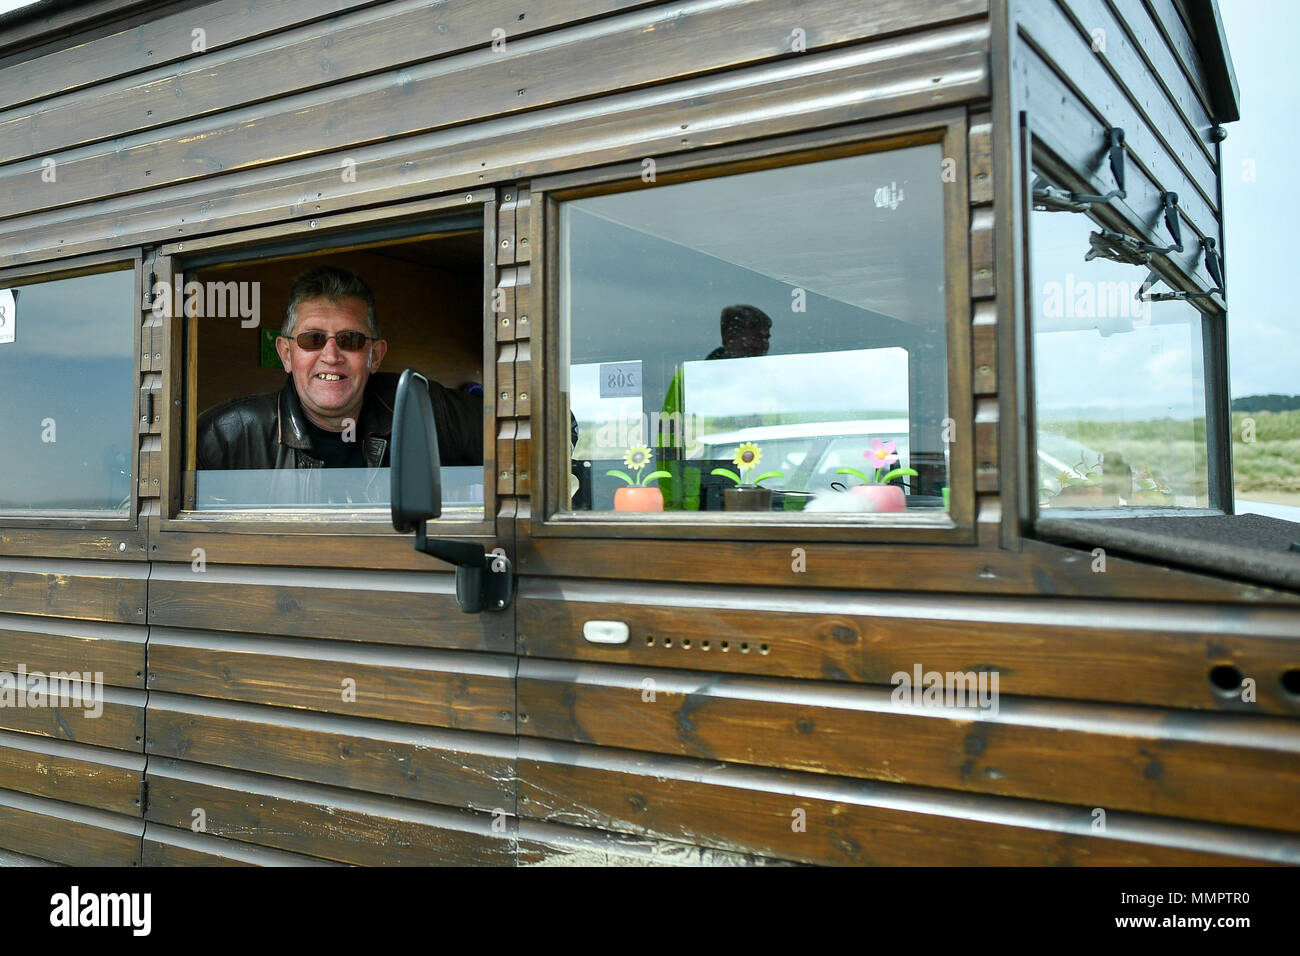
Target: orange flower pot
634,498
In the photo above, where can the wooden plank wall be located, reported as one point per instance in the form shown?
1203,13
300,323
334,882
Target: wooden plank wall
229,733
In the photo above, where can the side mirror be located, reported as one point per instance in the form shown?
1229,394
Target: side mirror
484,582
417,469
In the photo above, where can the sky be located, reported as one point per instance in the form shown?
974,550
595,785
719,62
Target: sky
1260,215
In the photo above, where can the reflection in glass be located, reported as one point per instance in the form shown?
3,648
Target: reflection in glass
67,380
798,309
340,489
1119,382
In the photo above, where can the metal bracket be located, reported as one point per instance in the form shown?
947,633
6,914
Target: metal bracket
1213,265
1169,202
484,580
1062,200
1118,247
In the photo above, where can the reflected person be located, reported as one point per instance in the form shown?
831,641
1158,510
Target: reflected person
335,409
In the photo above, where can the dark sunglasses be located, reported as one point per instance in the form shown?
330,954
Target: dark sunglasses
349,341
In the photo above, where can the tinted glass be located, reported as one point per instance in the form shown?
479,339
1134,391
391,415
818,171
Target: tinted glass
67,379
798,311
1119,382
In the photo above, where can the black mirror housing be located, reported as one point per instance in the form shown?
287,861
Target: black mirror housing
416,466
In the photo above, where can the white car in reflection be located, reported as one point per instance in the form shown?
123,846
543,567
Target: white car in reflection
810,454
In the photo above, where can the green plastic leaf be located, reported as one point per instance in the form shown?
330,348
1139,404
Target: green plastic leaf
621,474
855,473
769,474
891,475
726,473
656,474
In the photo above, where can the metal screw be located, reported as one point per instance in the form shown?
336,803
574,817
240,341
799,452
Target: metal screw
523,396
506,321
121,546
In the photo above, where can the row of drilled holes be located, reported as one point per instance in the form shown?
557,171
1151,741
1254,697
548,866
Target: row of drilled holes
723,646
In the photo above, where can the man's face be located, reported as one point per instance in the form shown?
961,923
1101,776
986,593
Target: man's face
331,383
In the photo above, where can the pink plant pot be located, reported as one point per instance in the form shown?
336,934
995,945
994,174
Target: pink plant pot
881,497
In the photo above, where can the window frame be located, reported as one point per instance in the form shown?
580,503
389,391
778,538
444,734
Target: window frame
179,525
949,129
95,264
1037,155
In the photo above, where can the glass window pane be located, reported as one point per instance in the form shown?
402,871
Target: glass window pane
67,350
1119,382
798,311
342,489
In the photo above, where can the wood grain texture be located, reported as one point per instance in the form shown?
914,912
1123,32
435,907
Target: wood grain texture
462,89
65,833
945,66
853,822
548,844
166,846
389,608
231,71
325,822
114,651
89,590
1147,653
453,768
1039,569
74,773
981,159
120,725
1230,769
457,690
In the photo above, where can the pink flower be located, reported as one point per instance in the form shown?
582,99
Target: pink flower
881,454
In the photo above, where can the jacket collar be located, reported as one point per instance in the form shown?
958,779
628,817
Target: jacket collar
373,428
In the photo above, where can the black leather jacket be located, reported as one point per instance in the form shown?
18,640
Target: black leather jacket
270,430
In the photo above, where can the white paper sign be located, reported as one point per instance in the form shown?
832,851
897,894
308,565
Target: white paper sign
620,379
8,315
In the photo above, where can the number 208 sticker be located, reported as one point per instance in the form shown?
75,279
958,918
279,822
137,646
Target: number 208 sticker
620,379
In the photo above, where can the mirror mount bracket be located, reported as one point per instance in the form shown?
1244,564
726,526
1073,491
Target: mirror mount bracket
484,580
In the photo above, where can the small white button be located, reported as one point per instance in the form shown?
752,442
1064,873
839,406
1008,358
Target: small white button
605,632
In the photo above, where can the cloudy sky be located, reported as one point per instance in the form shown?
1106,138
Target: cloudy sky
1260,215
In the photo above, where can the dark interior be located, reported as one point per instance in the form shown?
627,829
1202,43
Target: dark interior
428,302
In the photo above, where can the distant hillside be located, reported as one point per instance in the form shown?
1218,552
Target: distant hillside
1266,403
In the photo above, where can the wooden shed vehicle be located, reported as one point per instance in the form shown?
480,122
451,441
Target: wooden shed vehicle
976,240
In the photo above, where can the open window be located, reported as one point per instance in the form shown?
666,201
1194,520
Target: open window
68,383
779,322
256,447
1119,379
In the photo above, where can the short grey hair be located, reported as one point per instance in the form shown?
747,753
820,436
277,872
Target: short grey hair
333,283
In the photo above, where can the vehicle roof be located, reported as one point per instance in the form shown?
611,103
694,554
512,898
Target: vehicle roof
863,426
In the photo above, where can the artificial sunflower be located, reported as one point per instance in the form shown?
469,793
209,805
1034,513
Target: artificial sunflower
636,459
748,455
746,461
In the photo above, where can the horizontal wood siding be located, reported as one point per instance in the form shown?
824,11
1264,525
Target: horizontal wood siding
839,822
